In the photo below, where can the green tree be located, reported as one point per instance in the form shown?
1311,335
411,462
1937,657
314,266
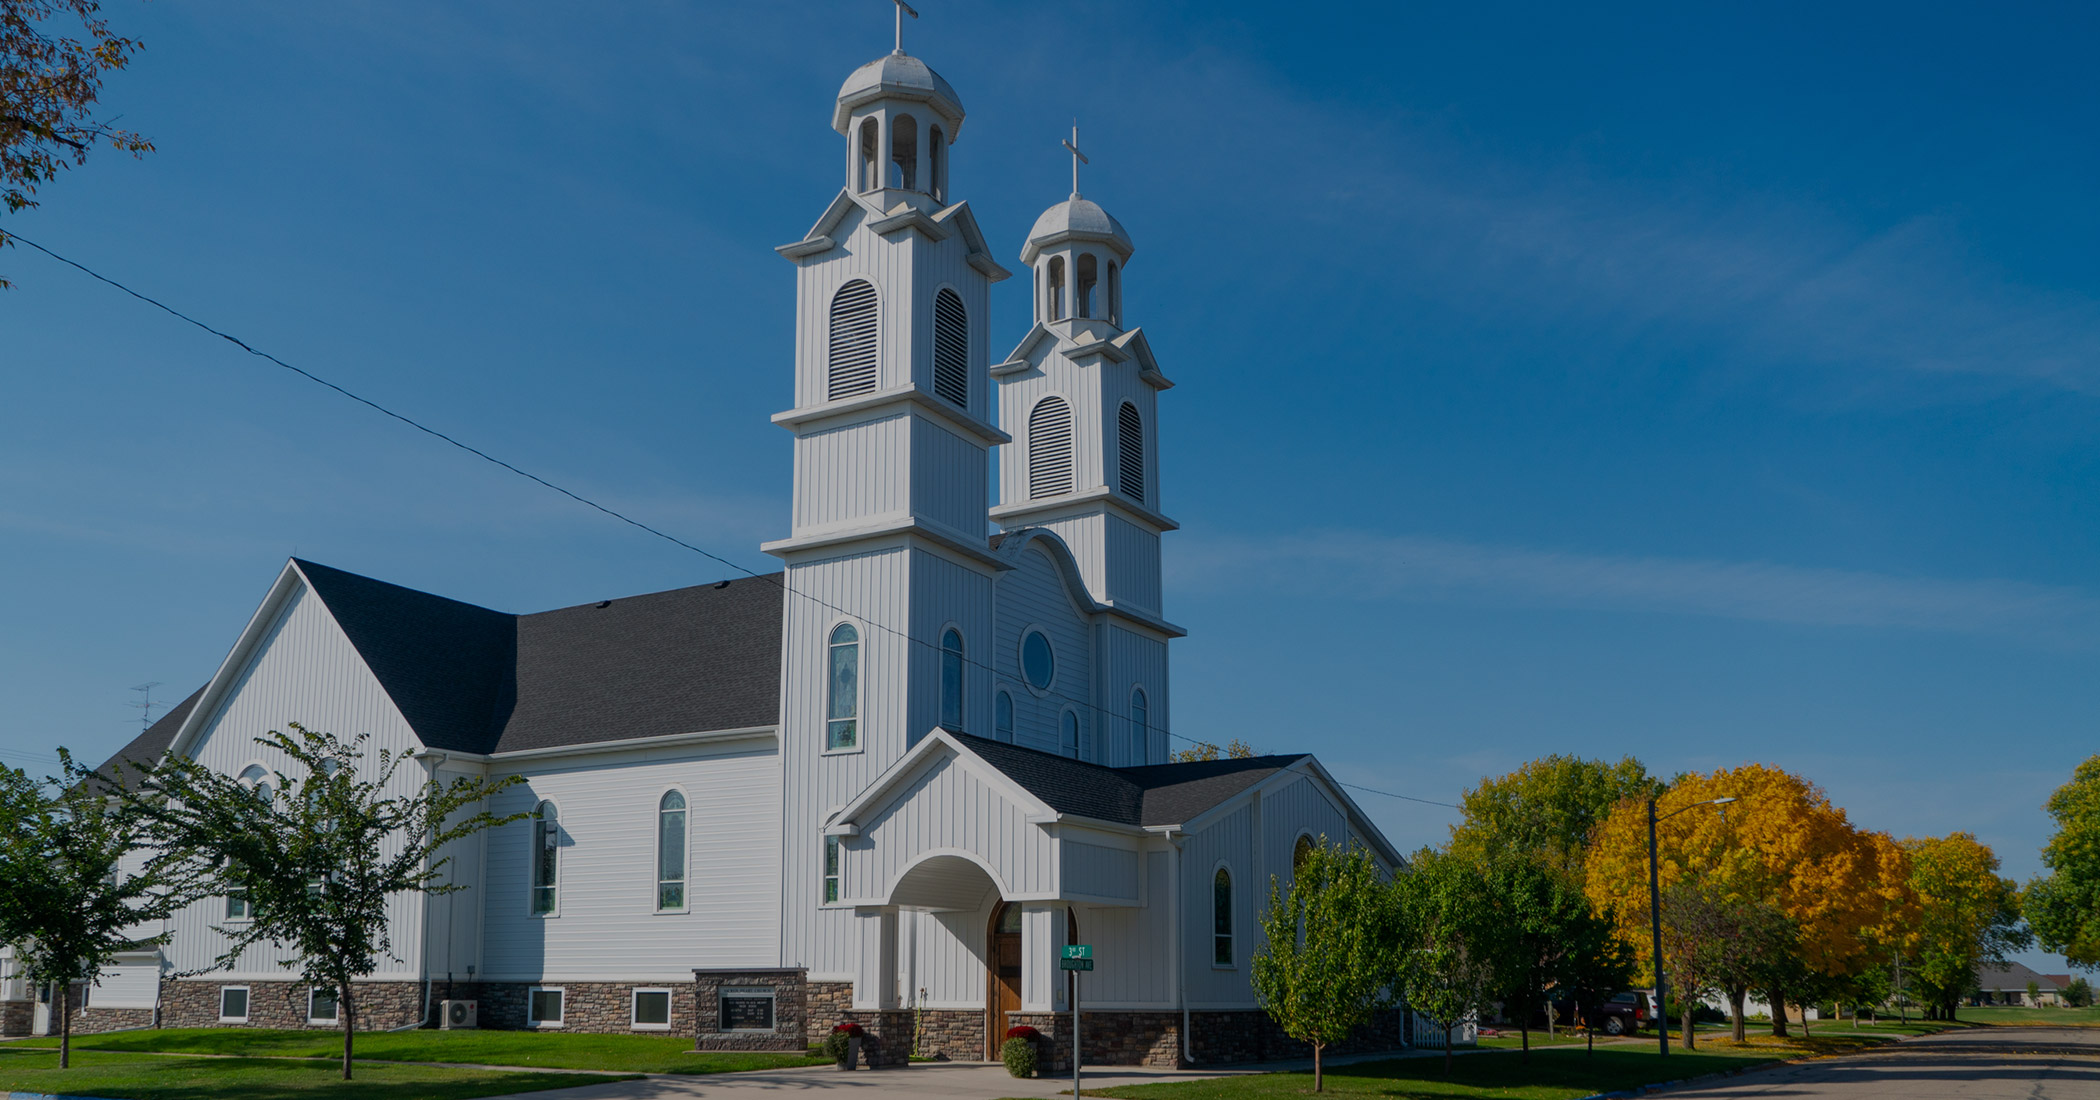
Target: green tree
1539,931
2063,908
49,81
1551,806
1446,957
1203,751
1969,916
1327,963
67,904
318,855
2079,993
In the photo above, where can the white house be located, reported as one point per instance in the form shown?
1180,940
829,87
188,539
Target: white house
887,783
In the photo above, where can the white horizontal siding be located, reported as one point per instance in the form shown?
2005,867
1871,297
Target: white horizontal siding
134,983
607,924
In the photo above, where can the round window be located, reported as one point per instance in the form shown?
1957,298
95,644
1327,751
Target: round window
1038,665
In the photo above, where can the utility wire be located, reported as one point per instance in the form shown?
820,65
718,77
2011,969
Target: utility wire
775,579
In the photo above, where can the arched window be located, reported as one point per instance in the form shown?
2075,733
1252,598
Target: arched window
951,348
853,333
1130,452
870,156
546,859
1221,918
670,851
256,778
842,725
952,681
1300,852
937,156
1089,276
904,152
1054,309
1140,727
1049,448
1068,733
1003,717
1115,296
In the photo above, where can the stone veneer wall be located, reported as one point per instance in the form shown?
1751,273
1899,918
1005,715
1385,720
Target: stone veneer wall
954,1034
194,1002
790,1024
888,1033
605,1008
16,1017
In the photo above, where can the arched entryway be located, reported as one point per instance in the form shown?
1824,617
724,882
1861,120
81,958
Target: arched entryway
1002,970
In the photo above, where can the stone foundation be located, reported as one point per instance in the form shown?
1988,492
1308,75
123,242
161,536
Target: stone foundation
194,1002
16,1017
790,1023
92,1020
602,1008
953,1034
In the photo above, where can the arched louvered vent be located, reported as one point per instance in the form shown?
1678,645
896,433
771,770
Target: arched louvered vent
1049,448
1130,449
853,340
951,348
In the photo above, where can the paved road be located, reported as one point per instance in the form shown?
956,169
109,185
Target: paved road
1975,1064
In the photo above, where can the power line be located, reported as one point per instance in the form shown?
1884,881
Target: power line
776,580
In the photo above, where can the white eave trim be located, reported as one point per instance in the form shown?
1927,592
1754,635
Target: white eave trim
669,740
1099,494
815,415
976,550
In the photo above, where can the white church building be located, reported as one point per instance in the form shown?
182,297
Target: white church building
886,784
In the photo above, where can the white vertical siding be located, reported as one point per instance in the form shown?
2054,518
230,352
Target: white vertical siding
948,478
948,956
947,805
304,670
1095,870
853,473
1132,967
607,925
945,592
1229,839
1131,564
1137,661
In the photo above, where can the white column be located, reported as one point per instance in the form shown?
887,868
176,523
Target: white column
1043,928
875,970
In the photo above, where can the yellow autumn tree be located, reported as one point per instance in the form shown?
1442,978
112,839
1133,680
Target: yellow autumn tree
1780,849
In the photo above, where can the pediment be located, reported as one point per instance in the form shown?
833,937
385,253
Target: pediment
913,776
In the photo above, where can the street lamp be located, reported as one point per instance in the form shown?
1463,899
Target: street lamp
1655,918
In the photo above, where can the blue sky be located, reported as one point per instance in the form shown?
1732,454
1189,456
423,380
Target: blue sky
1709,385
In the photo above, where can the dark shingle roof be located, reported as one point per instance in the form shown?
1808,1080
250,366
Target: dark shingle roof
1157,794
469,679
145,749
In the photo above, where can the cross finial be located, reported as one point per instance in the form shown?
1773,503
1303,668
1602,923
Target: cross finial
1078,158
903,9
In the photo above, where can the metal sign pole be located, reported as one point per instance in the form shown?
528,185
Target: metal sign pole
1075,1035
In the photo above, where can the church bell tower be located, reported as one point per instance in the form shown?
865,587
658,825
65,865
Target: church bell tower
887,558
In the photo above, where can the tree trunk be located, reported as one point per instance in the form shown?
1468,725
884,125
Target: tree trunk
1319,1075
1589,1034
1447,1048
1735,1008
348,1011
1777,1001
1953,1003
1804,1021
65,1026
1525,1029
1687,1040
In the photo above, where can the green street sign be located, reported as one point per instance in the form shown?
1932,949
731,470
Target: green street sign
1079,951
1075,964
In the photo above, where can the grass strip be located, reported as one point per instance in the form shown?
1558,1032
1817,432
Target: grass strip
528,1049
147,1077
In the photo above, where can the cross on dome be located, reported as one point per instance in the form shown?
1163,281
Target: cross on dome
903,9
1078,158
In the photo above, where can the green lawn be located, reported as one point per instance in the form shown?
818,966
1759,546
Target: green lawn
146,1077
2029,1017
552,1050
1560,1072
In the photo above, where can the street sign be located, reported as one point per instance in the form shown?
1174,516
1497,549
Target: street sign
1075,964
1079,951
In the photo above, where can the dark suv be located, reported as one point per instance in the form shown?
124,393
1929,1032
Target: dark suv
1621,1015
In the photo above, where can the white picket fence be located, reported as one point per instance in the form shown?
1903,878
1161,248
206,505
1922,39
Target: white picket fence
1429,1035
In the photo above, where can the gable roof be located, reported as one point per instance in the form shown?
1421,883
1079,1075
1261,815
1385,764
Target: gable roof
1155,794
471,680
2014,976
145,750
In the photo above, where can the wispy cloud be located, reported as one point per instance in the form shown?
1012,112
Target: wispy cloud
1409,567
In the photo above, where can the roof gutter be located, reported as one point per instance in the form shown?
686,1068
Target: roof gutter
667,740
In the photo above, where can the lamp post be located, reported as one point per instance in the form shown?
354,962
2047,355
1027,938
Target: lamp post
1655,919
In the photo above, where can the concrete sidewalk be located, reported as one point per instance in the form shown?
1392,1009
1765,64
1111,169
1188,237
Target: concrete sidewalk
939,1080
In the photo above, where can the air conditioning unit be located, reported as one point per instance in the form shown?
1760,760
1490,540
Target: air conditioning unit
457,1015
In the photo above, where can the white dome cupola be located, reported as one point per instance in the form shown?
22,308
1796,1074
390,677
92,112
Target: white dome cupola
1077,251
898,117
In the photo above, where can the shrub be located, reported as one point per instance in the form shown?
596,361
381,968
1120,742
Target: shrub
839,1042
1019,1054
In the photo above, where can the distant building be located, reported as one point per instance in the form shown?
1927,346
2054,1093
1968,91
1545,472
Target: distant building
2007,985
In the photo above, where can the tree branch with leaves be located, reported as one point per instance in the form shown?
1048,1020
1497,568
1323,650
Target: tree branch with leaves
318,850
1327,962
